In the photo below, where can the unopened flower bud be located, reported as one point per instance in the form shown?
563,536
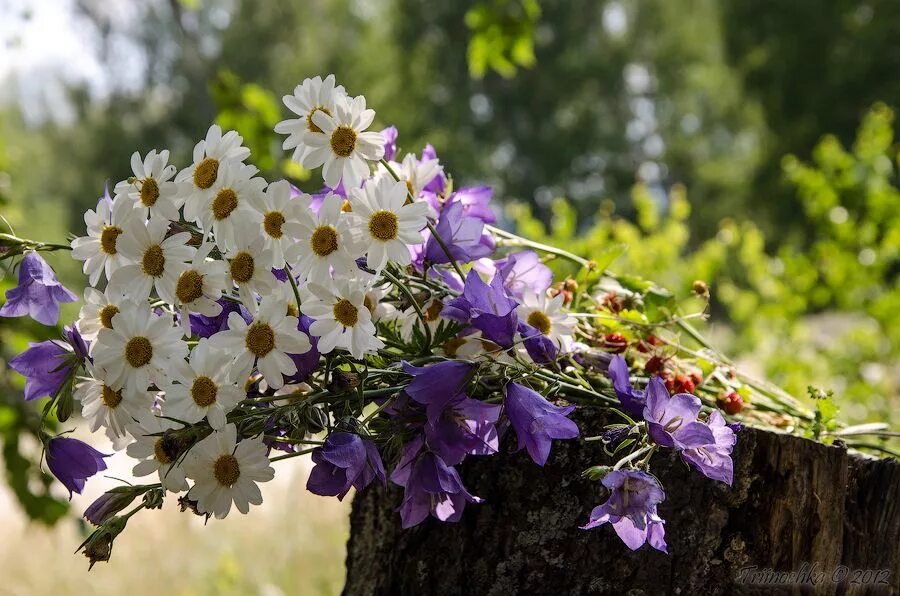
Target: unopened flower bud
108,504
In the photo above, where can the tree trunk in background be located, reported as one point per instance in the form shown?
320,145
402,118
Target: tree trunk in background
794,502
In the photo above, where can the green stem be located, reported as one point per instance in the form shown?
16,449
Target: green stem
415,304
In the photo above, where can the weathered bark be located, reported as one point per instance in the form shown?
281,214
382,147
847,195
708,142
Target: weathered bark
793,502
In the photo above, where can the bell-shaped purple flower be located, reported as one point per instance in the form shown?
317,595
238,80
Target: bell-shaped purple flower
488,308
540,348
632,400
672,420
476,202
203,326
714,459
522,271
73,462
438,184
462,235
46,365
436,384
390,142
38,293
345,460
431,487
536,421
631,509
465,427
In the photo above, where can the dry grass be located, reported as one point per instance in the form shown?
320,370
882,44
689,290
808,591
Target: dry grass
292,544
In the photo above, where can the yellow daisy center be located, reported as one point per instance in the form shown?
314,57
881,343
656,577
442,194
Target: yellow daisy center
108,239
111,398
106,315
138,351
343,141
241,267
159,452
153,261
540,321
204,391
384,225
206,172
149,192
324,241
189,287
272,223
227,470
345,313
292,310
260,339
310,125
224,204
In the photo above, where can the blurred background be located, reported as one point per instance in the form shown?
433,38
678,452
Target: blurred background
746,143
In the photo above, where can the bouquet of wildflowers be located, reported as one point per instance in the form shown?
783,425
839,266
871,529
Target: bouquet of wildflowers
382,326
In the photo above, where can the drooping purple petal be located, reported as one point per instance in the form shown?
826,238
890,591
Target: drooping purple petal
522,271
38,293
73,462
631,509
344,460
536,421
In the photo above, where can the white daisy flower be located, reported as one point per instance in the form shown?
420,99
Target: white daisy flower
211,155
547,316
226,471
276,208
200,285
250,266
383,223
324,242
341,318
151,189
98,310
416,174
310,96
156,451
203,389
231,203
267,340
107,406
157,261
343,147
99,249
138,348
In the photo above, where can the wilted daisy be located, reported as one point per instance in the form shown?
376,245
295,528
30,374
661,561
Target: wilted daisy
547,316
151,189
342,319
157,261
250,266
100,248
310,96
383,223
156,451
324,242
201,388
211,155
416,174
276,207
267,341
137,350
230,203
226,471
107,406
200,285
98,310
343,147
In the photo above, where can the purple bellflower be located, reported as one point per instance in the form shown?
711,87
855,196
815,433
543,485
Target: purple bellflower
431,487
536,421
46,365
672,420
203,326
390,142
465,427
714,459
73,462
462,235
632,400
308,362
488,308
540,348
436,384
38,293
631,509
522,271
436,185
344,460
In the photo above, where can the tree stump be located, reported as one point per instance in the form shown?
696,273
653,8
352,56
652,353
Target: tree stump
796,506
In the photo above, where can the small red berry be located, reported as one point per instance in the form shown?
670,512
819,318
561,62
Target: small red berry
654,365
683,384
696,377
615,342
731,403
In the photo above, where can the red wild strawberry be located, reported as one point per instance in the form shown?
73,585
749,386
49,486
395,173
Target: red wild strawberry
654,365
731,403
615,342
